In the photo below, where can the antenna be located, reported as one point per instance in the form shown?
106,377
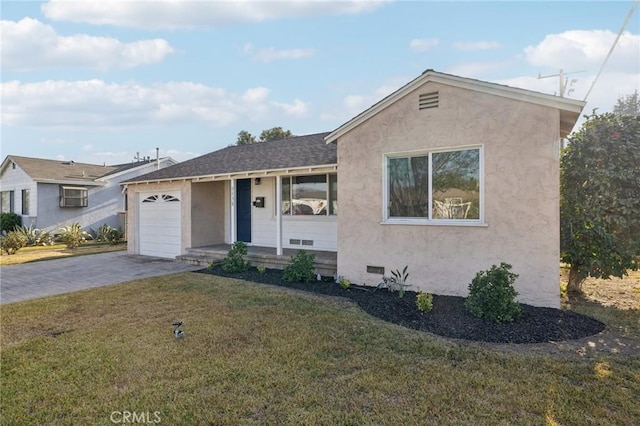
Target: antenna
563,82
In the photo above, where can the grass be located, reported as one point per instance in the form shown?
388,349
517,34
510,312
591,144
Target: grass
38,253
261,355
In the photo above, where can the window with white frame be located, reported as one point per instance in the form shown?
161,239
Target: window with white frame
25,201
311,195
74,196
443,186
6,204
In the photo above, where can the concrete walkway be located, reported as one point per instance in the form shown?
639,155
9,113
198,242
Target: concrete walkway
57,276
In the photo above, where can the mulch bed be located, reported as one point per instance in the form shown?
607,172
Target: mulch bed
448,318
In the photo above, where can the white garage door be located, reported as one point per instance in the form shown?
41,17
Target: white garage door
159,224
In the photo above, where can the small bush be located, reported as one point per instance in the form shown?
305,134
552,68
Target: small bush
73,236
492,295
300,270
35,237
344,283
103,232
424,301
261,269
13,242
114,236
9,222
234,262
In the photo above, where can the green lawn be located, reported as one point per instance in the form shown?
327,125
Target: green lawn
261,355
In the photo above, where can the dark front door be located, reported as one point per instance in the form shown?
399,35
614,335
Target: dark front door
243,210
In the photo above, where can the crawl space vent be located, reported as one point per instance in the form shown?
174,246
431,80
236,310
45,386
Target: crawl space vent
428,100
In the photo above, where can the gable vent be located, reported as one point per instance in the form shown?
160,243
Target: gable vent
428,100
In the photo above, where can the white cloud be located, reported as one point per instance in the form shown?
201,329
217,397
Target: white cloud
476,45
97,104
423,44
271,54
29,44
586,50
477,69
172,14
354,104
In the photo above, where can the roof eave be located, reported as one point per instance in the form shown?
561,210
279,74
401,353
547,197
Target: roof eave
326,168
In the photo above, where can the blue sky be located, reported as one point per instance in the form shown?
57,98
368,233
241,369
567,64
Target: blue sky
100,81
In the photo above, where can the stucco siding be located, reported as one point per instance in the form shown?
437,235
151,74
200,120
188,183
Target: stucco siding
520,143
207,213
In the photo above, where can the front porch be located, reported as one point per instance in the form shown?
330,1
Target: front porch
325,261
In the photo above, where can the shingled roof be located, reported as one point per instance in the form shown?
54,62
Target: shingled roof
294,152
43,170
57,171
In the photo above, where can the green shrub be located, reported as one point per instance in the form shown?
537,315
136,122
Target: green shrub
397,282
114,236
102,234
234,262
424,301
9,222
13,242
492,295
300,270
344,283
73,236
35,237
261,269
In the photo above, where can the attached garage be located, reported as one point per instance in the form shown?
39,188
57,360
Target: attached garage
159,223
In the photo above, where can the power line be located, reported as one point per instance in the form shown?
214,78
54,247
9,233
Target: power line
626,21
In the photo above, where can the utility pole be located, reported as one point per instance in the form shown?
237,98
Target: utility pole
563,82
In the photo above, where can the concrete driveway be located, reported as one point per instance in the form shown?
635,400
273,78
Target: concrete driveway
57,276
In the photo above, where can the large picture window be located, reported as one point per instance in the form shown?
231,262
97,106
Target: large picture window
313,195
438,186
74,196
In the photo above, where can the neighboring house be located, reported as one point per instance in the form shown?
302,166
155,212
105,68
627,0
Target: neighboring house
49,194
447,175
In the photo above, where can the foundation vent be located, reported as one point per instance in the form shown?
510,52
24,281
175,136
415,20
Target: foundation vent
297,242
428,100
375,270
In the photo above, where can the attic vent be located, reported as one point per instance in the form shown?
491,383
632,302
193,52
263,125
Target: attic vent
428,100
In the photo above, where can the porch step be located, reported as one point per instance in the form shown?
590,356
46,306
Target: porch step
204,257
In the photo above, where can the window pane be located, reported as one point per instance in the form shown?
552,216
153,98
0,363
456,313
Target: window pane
309,195
5,202
286,195
25,201
456,184
408,180
333,194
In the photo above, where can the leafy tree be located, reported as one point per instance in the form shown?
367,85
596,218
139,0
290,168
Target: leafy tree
273,134
600,198
245,138
628,105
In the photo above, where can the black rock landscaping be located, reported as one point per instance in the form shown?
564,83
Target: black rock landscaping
448,318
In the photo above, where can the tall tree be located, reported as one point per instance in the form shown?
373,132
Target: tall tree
628,105
245,138
600,198
273,134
